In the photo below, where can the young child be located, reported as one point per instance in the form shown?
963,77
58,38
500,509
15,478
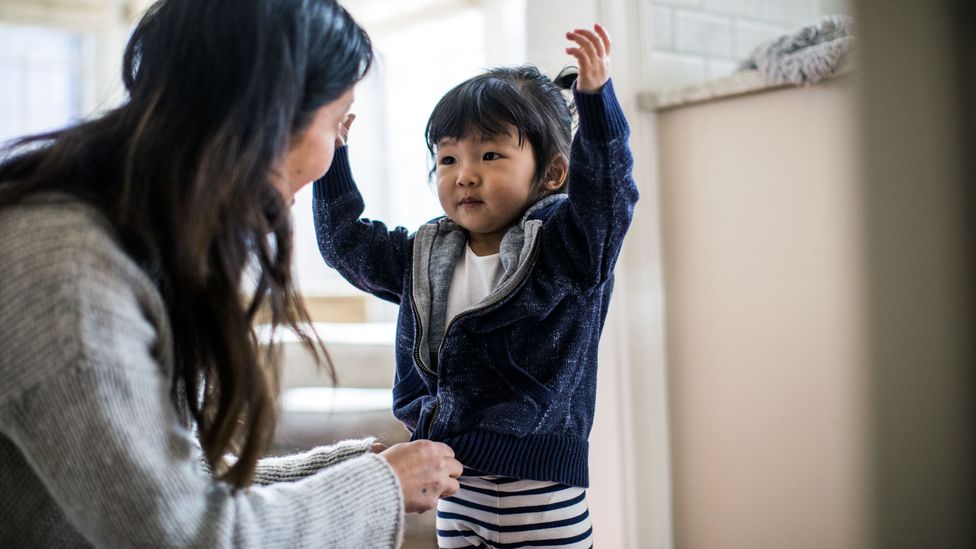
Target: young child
502,301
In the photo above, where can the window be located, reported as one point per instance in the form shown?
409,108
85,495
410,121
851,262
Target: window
41,73
423,48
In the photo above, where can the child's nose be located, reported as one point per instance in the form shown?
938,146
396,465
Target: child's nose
467,177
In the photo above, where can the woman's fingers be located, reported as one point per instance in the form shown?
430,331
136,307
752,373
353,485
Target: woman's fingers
452,487
427,470
458,469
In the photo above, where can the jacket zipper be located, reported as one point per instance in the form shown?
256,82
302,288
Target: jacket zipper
418,339
497,299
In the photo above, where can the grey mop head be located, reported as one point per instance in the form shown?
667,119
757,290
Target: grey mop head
807,56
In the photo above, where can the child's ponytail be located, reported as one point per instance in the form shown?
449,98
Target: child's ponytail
566,77
564,81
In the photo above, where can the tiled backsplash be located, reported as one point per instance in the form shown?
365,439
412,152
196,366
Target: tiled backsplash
698,40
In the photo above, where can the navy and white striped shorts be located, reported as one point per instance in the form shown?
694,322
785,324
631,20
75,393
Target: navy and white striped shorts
499,512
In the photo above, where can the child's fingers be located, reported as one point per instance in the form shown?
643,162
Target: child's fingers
585,47
595,41
604,37
348,120
342,136
580,57
593,55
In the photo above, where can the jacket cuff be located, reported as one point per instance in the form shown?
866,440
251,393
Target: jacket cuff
600,115
338,180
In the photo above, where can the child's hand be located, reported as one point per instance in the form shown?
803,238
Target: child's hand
593,55
342,137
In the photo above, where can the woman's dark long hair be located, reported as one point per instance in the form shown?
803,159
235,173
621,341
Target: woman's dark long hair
183,171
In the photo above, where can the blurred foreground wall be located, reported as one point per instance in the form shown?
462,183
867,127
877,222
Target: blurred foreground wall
918,105
761,214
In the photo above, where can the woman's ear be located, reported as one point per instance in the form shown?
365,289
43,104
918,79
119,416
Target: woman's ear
556,173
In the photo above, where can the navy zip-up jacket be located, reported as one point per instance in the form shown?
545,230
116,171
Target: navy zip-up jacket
509,383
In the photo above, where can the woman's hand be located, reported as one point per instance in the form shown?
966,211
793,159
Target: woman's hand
427,471
593,56
342,137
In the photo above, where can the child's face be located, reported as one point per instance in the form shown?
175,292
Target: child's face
485,184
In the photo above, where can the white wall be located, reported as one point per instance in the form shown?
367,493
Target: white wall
697,40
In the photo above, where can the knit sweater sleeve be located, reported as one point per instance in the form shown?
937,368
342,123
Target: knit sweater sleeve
86,401
589,232
366,253
298,466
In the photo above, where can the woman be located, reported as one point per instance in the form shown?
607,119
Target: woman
129,365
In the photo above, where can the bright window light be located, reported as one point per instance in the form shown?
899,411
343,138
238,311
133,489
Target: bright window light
40,75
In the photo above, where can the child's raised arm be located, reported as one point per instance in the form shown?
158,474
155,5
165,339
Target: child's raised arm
366,253
593,56
601,190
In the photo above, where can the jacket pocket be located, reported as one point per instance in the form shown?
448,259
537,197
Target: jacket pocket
501,360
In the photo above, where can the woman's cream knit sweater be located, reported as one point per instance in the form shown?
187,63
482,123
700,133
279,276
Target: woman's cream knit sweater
92,451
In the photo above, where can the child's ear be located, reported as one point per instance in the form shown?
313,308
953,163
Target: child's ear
556,173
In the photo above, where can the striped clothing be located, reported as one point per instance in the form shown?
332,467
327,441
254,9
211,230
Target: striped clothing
500,512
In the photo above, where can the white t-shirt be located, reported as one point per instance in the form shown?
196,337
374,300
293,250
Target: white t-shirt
474,278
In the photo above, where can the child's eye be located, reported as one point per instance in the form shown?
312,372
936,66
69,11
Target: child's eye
492,156
446,160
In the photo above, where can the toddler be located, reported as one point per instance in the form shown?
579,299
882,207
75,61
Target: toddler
503,299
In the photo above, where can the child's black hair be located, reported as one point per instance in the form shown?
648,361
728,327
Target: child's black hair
521,97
